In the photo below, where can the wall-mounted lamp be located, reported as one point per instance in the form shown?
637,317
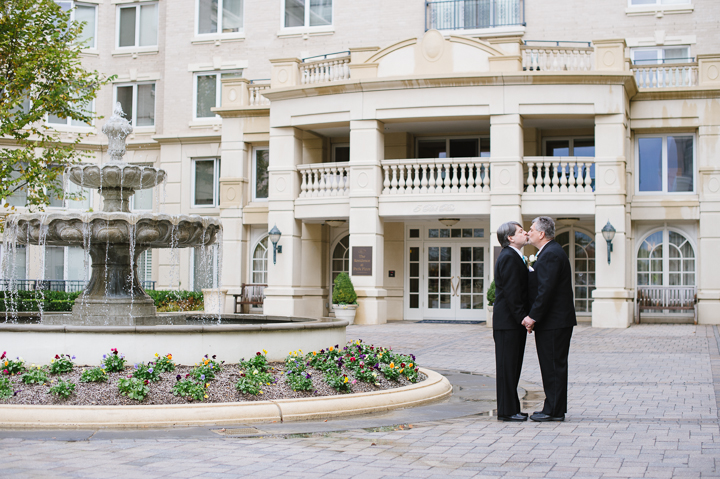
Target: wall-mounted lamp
449,221
608,233
274,235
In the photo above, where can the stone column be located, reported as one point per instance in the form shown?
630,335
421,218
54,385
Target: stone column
613,299
283,296
708,256
506,176
367,149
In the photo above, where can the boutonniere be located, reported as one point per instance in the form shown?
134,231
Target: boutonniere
530,261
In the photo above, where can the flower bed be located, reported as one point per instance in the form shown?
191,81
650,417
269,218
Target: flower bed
357,367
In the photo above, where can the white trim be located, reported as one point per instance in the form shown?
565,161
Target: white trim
216,182
253,167
664,137
504,31
218,94
658,9
659,52
134,85
252,257
136,47
344,233
666,258
94,5
306,29
571,248
204,37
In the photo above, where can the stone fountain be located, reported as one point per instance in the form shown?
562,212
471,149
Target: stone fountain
114,238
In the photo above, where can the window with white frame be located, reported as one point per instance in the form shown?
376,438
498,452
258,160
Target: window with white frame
219,16
208,92
206,182
65,263
138,103
14,265
206,272
661,55
635,3
137,25
666,258
260,262
82,13
580,248
144,267
260,174
142,200
19,196
307,13
88,108
569,146
666,163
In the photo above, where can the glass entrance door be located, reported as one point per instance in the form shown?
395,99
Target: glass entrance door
454,281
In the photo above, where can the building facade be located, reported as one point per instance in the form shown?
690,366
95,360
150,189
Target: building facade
390,140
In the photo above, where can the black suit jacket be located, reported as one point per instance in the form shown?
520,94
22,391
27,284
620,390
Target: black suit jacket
553,305
511,281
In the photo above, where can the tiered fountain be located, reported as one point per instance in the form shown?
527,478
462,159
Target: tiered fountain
114,238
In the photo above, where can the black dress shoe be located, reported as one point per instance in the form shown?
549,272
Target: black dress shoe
523,414
514,418
541,417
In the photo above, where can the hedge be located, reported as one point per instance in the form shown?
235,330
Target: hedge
28,301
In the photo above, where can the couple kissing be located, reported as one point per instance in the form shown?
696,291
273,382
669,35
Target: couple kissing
537,298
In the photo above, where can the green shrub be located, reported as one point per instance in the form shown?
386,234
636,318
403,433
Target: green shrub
491,294
113,362
133,388
62,388
299,381
343,291
146,372
62,363
170,301
189,389
35,375
94,375
5,388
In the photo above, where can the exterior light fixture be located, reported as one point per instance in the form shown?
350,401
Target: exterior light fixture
608,232
274,235
449,221
335,223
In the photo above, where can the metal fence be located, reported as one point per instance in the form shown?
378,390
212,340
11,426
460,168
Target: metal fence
68,286
473,14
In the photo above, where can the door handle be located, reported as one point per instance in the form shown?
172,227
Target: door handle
455,287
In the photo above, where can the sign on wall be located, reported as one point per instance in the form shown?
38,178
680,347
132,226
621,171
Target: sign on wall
362,261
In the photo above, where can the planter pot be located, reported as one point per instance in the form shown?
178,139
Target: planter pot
488,315
345,311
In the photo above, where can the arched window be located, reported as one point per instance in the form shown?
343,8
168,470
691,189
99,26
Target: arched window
341,258
259,262
580,248
666,258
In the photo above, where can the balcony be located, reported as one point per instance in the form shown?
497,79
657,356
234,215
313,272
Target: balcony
557,56
666,75
473,14
559,185
324,191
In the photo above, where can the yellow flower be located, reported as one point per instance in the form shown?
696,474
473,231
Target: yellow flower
314,353
261,392
290,353
331,348
410,365
403,369
300,350
392,364
265,351
52,361
346,379
206,396
207,385
206,361
169,356
156,355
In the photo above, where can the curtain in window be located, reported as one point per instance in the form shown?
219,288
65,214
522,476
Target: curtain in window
205,182
148,25
206,95
262,161
84,13
146,105
680,163
294,13
320,12
127,27
232,19
207,16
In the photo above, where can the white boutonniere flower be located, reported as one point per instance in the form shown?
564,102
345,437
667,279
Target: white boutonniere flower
531,261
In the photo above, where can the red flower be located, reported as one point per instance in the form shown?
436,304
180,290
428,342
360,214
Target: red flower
258,353
57,357
5,371
147,382
402,365
3,355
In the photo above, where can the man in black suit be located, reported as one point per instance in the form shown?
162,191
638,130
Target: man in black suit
552,317
511,306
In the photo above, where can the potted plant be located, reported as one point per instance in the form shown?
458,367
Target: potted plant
344,298
491,302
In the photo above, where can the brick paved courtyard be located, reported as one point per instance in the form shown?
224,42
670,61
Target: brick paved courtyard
643,403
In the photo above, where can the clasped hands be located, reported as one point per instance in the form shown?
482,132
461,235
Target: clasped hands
529,324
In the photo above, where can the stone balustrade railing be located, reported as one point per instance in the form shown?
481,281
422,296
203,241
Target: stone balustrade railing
559,174
324,179
557,58
324,71
666,76
255,94
436,176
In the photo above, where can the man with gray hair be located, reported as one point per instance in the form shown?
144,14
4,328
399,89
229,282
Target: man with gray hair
552,317
511,306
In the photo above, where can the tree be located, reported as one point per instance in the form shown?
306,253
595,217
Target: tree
40,74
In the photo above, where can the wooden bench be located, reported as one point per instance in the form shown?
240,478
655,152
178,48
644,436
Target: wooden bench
252,294
666,298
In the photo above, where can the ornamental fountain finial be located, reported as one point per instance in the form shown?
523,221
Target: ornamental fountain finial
117,129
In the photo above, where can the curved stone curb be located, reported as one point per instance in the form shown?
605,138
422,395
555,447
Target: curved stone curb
435,387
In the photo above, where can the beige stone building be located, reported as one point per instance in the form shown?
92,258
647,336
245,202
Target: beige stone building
407,132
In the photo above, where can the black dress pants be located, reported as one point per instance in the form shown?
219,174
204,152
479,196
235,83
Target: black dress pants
509,353
553,348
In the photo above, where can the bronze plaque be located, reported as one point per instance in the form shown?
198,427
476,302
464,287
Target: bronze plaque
362,261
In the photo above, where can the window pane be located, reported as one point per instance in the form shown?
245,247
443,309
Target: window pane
19,197
557,148
232,19
125,97
432,149
676,55
650,164
143,199
64,4
56,120
76,264
262,160
85,13
206,95
127,27
342,154
585,148
83,204
54,262
680,163
204,182
464,148
17,262
207,16
320,12
148,25
87,109
294,13
146,105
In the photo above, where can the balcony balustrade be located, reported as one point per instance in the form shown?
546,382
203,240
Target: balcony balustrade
255,93
324,179
436,176
666,76
557,58
473,14
325,68
559,174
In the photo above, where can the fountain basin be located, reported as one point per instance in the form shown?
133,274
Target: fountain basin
131,177
39,343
